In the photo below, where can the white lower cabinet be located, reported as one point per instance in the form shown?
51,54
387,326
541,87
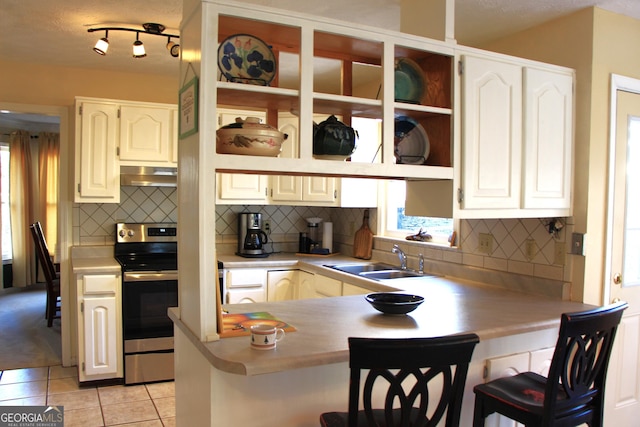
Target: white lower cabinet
306,285
245,285
535,361
99,327
327,287
282,285
349,289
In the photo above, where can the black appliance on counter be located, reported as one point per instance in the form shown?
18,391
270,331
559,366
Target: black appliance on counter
148,254
251,238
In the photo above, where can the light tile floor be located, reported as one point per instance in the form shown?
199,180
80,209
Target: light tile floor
149,405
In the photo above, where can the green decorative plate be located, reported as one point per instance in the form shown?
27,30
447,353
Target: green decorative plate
409,81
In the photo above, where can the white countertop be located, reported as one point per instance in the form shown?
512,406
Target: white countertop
451,306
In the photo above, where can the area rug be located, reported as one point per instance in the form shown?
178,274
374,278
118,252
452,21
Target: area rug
25,339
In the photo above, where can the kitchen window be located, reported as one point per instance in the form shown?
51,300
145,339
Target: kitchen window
398,225
7,251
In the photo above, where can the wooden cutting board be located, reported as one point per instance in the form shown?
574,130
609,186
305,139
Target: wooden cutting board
363,242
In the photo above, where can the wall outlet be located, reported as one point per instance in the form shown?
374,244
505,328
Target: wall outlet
485,243
531,249
577,243
559,253
267,226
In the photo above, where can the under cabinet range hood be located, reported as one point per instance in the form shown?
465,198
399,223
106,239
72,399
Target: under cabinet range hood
143,176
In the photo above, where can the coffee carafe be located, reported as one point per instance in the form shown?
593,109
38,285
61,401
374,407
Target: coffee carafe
251,238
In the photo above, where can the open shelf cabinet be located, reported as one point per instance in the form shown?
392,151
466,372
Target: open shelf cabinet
326,68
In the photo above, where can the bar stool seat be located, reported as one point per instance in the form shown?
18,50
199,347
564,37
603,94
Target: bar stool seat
573,392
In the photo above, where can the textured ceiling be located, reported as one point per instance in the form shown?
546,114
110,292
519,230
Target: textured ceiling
55,31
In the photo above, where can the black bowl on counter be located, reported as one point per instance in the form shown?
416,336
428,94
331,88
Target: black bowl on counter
392,303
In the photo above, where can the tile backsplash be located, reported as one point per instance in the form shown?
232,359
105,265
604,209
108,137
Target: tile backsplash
520,246
94,223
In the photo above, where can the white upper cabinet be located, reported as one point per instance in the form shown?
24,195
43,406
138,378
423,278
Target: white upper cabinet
517,139
145,135
238,188
111,133
492,133
96,168
548,139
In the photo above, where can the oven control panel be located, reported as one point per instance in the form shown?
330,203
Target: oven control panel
146,232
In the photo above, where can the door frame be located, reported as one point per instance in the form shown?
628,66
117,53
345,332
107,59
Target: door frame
64,218
626,84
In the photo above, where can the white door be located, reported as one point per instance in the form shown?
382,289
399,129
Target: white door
623,382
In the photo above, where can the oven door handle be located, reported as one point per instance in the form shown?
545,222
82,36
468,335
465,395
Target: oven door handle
150,276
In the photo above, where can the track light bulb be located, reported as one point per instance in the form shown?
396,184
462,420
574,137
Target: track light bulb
138,48
174,49
102,45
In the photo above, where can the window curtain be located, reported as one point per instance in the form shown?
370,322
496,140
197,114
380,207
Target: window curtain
20,196
48,172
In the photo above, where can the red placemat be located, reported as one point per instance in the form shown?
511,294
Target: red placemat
236,325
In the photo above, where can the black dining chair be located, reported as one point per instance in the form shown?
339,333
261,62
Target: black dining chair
51,276
406,368
573,391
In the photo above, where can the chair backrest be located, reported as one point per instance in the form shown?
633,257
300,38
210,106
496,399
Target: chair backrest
42,252
578,370
412,363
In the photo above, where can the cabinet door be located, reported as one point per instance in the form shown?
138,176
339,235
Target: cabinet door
548,139
238,188
327,287
100,336
145,134
282,285
491,133
98,175
286,188
306,285
505,367
319,189
349,289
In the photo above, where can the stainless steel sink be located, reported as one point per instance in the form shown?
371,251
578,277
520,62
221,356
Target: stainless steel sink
361,268
390,274
377,271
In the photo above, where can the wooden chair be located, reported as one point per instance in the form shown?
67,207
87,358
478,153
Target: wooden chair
52,277
573,392
406,363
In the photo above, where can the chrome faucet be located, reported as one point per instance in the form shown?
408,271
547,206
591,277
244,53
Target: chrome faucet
403,257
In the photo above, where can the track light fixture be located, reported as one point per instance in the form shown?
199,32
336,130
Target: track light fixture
102,45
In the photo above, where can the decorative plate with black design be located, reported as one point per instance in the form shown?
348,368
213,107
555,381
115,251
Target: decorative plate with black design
244,58
411,143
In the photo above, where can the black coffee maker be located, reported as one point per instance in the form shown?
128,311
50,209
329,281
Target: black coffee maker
251,238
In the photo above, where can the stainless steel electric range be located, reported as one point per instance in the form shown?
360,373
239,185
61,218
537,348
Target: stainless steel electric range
148,255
